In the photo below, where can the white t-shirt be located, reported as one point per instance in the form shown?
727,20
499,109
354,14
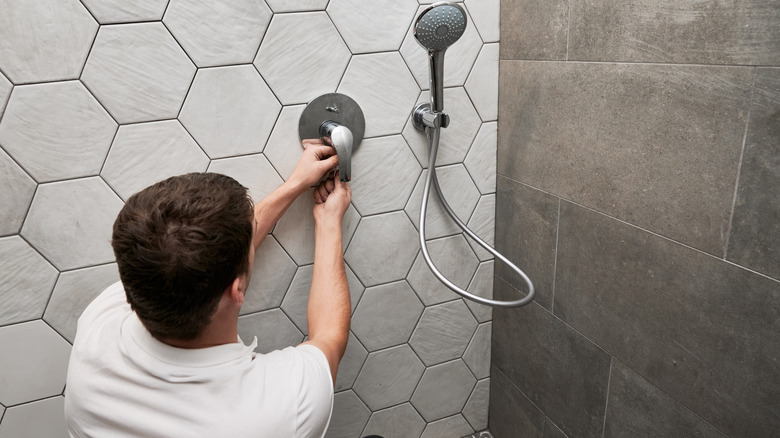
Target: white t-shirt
123,382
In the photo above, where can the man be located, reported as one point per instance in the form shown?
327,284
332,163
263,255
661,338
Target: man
158,354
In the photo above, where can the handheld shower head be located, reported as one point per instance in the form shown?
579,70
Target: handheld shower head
438,27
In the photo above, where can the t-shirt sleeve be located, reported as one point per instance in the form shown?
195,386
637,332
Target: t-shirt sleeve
315,399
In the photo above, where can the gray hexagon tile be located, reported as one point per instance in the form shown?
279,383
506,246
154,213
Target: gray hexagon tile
64,114
450,426
443,332
389,377
482,84
15,198
351,363
33,364
73,293
455,139
138,72
42,418
252,171
386,315
298,5
70,222
302,56
218,33
378,30
443,390
482,285
349,417
385,112
272,274
400,421
453,258
230,111
486,17
384,175
5,91
481,159
458,60
476,409
483,223
477,355
284,147
45,40
26,281
122,11
146,153
295,303
397,239
273,329
458,190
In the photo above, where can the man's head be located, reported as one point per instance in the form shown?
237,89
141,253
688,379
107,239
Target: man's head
179,244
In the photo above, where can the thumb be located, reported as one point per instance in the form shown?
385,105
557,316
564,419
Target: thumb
330,162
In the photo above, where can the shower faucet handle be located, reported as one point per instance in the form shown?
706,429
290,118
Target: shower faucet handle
424,117
340,137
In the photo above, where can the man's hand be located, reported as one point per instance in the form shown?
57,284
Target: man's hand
331,200
317,160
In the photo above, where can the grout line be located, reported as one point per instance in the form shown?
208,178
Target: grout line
727,237
647,63
606,402
34,401
568,27
110,148
48,301
555,259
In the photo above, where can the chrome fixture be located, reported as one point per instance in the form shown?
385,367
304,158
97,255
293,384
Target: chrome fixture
338,120
438,27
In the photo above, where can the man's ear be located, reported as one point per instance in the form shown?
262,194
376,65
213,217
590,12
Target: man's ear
236,292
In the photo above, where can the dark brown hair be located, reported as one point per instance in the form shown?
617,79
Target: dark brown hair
178,244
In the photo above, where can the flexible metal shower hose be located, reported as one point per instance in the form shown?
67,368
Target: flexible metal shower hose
433,135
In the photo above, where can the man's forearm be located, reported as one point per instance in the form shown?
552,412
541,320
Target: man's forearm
269,210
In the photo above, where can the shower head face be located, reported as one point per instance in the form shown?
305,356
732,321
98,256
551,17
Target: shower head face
440,25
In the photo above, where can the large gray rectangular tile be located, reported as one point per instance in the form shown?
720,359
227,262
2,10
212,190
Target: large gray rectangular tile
511,414
654,145
560,371
636,408
755,232
526,232
680,31
703,330
533,29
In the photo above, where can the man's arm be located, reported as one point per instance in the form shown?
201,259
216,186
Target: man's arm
317,160
329,304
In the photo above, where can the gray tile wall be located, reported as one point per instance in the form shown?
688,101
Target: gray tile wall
638,172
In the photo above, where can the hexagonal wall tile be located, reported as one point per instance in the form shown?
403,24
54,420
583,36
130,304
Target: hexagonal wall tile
37,419
476,409
26,281
455,139
138,72
121,11
443,390
73,293
400,421
477,355
70,222
33,364
386,315
44,40
483,223
351,363
5,91
481,159
482,285
383,248
486,16
458,190
230,111
295,303
385,90
356,288
146,153
349,416
384,175
272,274
302,56
64,114
284,148
17,193
274,331
482,84
298,5
455,425
457,62
443,332
389,377
453,258
218,33
252,171
379,29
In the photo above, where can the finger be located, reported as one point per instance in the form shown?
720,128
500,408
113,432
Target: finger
323,191
317,197
311,142
329,185
322,151
331,162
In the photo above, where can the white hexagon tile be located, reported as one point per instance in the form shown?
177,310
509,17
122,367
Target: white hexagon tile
100,98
